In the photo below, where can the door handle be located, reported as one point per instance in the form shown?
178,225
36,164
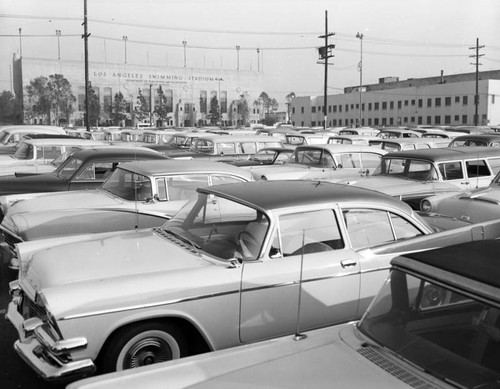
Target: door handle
348,263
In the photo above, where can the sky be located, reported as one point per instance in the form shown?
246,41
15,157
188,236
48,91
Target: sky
401,38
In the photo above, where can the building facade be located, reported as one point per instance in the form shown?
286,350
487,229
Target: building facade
439,101
187,91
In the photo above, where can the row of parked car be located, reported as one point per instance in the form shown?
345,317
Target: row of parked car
169,258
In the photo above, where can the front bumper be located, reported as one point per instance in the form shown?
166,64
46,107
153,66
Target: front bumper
48,357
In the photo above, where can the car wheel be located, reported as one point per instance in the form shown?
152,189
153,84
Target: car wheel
144,344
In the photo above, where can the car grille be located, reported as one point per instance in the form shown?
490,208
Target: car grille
10,240
29,309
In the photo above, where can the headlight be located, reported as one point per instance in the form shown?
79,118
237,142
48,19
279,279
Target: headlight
425,205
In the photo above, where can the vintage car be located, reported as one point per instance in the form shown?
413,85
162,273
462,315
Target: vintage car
265,156
84,169
388,133
413,175
472,206
11,135
435,323
334,162
181,140
294,140
366,131
224,271
400,144
351,139
37,155
492,140
213,147
152,191
471,129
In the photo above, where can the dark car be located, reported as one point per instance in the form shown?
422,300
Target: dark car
84,169
265,156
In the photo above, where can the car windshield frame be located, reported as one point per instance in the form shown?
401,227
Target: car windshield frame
219,227
435,328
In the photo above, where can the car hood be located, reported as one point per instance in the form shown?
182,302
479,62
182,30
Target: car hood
321,360
122,267
93,198
399,186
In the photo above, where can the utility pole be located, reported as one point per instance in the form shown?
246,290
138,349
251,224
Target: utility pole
325,52
85,37
476,97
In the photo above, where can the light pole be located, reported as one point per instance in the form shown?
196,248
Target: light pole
184,43
58,34
125,38
360,66
20,44
258,59
237,57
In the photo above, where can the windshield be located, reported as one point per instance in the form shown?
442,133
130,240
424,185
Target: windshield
449,335
3,136
220,227
413,169
128,185
69,167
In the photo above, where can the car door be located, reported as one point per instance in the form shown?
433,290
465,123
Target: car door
307,279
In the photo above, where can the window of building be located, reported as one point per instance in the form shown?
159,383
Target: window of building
413,103
340,107
329,108
313,123
447,101
334,122
412,120
429,102
465,100
464,119
384,121
457,99
429,120
347,107
293,110
384,105
391,105
447,119
340,122
369,121
369,106
437,119
352,106
376,106
376,121
484,118
420,103
357,106
420,120
456,118
313,109
406,103
334,108
437,101
363,107
391,121
400,104
405,119
301,110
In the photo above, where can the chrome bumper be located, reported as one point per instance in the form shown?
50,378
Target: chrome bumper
47,357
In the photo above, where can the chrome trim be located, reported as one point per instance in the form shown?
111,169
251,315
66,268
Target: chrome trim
61,346
202,297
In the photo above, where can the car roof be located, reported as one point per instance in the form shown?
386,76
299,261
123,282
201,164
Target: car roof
446,153
117,152
61,141
277,194
343,147
173,166
476,261
240,138
493,136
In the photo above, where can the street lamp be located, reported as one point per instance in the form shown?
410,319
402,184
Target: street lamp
125,38
258,59
360,66
237,57
184,43
58,34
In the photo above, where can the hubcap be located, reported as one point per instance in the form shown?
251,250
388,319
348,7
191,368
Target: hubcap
146,352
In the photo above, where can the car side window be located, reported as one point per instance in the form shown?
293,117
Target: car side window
222,179
183,187
370,160
309,232
451,170
477,168
350,160
87,174
248,147
403,229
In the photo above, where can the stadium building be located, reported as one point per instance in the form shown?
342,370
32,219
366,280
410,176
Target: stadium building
188,91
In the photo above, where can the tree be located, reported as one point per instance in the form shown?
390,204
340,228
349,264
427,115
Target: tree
289,97
61,98
51,98
7,107
161,108
141,110
94,113
120,105
213,113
